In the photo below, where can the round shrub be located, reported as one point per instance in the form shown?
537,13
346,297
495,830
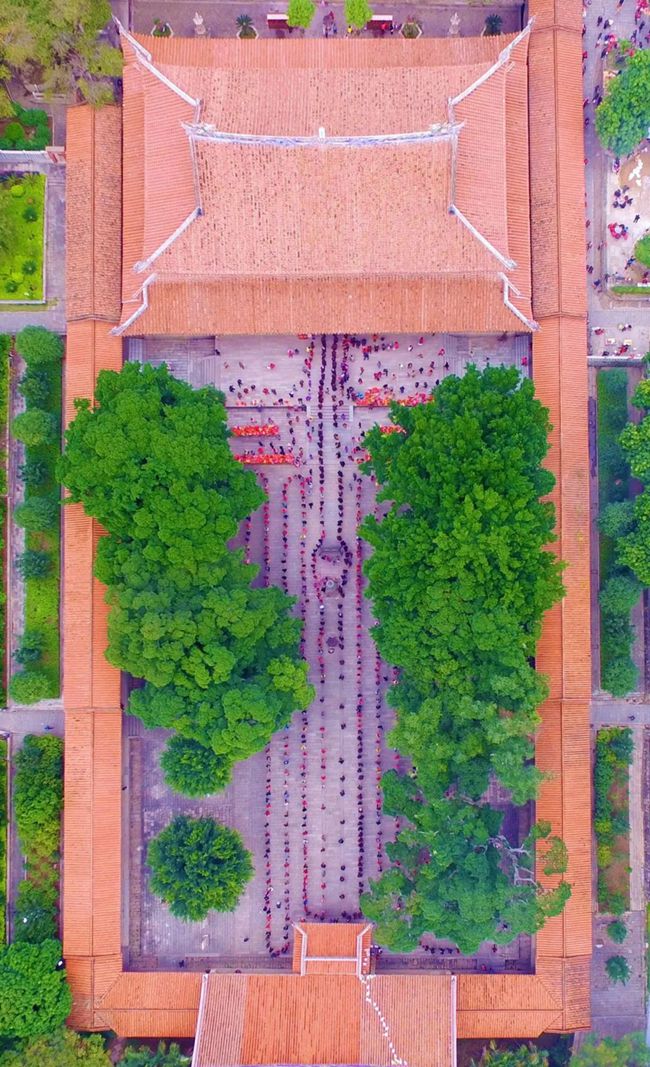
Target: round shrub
617,519
35,385
29,267
619,677
17,191
617,931
198,866
34,564
11,286
192,769
34,427
619,594
38,345
642,250
28,687
37,514
30,214
618,969
31,647
14,133
16,277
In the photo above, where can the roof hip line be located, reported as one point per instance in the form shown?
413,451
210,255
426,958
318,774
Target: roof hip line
509,264
504,56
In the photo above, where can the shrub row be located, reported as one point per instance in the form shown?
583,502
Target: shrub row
5,349
3,838
619,590
38,799
39,430
29,130
614,748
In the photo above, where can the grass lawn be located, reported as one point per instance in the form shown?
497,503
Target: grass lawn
21,269
3,838
611,793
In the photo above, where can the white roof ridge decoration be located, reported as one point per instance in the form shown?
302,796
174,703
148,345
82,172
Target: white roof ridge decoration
507,287
502,59
144,57
441,131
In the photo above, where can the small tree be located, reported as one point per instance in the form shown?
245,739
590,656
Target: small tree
357,13
30,649
642,250
618,969
493,24
34,427
34,564
617,930
628,1051
37,514
524,1056
198,866
193,769
38,345
28,687
300,13
34,995
164,1056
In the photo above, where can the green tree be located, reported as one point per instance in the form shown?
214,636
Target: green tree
163,1056
192,769
198,866
37,345
524,1056
618,969
628,1051
38,790
34,995
34,427
152,462
617,518
37,514
623,118
300,12
63,1048
357,13
642,250
29,686
617,930
32,563
57,43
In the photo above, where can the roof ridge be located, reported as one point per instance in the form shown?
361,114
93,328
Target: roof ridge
504,56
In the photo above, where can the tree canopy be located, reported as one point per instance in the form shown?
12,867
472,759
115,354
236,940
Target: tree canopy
63,1048
460,578
623,118
628,1051
198,866
151,461
300,12
524,1056
192,769
57,43
34,995
633,545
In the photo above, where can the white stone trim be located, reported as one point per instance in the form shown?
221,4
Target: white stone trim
144,292
144,264
509,264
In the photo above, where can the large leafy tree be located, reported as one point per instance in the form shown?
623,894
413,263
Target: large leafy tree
460,578
457,874
151,461
198,866
57,43
633,544
63,1048
34,995
628,1051
623,118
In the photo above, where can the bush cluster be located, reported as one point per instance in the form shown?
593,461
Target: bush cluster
29,131
614,749
3,834
39,515
5,350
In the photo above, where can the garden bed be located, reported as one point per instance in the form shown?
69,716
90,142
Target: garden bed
614,747
27,130
38,801
22,214
4,836
5,350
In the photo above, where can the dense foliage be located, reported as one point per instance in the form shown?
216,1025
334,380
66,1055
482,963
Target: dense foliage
152,462
62,1048
163,1056
642,250
4,832
38,799
614,749
34,995
618,969
22,211
619,589
5,350
40,514
198,866
300,12
357,13
628,1051
193,769
460,580
633,546
29,130
524,1056
623,118
57,44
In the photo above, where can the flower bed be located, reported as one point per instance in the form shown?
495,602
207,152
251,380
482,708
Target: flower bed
378,397
265,459
27,130
22,210
264,429
614,747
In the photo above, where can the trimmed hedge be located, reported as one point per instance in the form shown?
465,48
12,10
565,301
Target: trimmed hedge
40,514
38,801
614,749
619,590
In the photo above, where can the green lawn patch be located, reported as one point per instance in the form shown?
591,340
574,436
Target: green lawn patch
5,349
4,838
614,747
618,592
27,130
630,290
22,218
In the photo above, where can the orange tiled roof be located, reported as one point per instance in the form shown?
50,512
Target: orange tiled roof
292,217
93,210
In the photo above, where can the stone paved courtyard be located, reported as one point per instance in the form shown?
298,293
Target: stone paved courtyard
309,806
